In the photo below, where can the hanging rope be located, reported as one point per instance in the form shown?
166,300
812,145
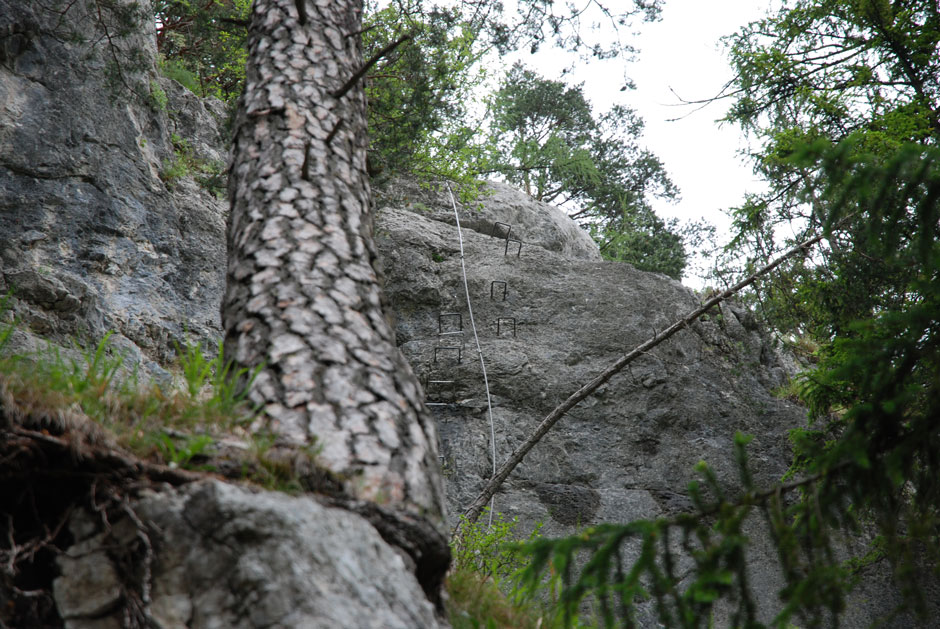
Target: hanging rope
486,384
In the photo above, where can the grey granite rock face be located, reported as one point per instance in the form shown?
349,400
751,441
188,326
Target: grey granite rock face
639,436
91,238
625,453
534,223
225,556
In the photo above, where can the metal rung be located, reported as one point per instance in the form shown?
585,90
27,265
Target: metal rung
496,227
518,251
457,349
499,322
452,388
493,286
440,323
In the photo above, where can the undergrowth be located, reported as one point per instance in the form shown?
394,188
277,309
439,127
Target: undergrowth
484,585
207,173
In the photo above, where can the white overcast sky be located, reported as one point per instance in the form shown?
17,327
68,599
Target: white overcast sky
680,53
683,52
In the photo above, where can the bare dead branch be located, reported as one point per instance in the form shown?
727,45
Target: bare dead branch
473,512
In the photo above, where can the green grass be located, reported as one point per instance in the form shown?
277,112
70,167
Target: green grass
208,174
178,425
108,393
476,601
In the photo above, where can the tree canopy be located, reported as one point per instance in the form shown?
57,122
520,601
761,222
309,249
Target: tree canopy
202,44
821,69
545,137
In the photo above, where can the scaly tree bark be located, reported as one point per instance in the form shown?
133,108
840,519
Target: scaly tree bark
303,297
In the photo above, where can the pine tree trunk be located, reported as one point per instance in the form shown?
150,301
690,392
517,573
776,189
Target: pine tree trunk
303,292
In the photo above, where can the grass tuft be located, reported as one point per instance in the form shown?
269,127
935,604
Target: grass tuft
484,588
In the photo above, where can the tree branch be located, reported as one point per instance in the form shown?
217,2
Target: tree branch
361,72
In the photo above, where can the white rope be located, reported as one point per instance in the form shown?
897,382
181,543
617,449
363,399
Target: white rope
486,384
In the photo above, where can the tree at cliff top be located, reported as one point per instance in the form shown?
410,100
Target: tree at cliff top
417,92
545,138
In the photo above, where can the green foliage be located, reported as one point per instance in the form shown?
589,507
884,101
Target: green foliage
182,455
488,549
545,138
868,463
175,69
173,170
483,582
540,131
219,385
843,97
823,69
158,96
185,163
97,382
418,93
202,44
418,119
644,240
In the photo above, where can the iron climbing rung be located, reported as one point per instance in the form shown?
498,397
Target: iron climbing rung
449,315
496,227
518,251
493,286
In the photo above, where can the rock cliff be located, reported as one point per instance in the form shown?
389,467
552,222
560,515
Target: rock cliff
91,237
104,227
562,316
94,236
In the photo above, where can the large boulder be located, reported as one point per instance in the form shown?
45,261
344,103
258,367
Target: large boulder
629,450
533,222
227,556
